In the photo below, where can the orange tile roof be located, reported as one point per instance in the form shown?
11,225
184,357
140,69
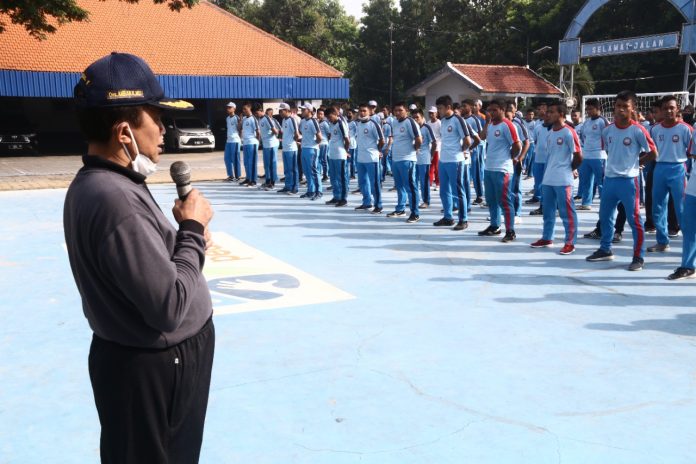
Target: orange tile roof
507,79
204,40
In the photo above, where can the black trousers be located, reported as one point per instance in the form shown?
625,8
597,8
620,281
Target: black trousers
152,403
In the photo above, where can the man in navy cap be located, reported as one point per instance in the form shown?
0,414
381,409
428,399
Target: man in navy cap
140,279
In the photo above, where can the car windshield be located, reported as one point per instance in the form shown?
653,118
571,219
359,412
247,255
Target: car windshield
190,123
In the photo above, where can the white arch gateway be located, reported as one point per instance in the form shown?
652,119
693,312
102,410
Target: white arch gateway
570,48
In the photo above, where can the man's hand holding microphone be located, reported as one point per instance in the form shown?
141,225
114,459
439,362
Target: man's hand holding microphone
191,203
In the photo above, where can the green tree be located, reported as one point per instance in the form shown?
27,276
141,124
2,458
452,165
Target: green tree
37,17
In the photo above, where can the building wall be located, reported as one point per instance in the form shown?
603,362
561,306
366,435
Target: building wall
451,86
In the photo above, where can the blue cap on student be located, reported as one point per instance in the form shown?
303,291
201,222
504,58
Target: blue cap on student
122,79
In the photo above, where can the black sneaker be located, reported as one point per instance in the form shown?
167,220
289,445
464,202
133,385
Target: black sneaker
673,233
396,214
318,195
303,182
510,236
601,255
577,197
444,223
636,264
361,207
490,231
332,201
355,192
307,195
341,203
682,273
324,178
413,218
594,235
617,237
461,225
245,182
531,201
314,197
536,212
478,201
261,176
376,211
283,190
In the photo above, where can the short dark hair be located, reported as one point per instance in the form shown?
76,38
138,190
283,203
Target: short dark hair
499,103
530,110
627,96
417,111
363,105
400,103
667,99
560,106
456,106
468,101
96,123
593,102
330,110
388,108
511,103
444,100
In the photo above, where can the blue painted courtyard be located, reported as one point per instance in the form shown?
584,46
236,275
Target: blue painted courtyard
351,338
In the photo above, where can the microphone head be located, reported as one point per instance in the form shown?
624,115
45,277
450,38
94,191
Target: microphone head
180,172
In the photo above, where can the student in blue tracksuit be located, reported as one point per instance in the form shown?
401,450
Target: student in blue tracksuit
455,138
688,227
591,171
269,129
628,146
370,140
406,142
352,130
473,159
424,157
512,115
503,147
564,157
339,143
311,138
387,129
290,134
540,134
232,165
531,123
250,145
323,145
673,140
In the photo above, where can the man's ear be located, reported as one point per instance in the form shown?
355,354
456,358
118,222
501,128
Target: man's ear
121,132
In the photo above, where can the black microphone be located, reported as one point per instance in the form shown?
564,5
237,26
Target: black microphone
181,175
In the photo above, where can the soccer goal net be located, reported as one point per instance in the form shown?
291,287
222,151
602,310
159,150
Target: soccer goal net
606,102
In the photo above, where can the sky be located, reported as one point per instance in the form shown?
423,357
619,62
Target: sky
353,7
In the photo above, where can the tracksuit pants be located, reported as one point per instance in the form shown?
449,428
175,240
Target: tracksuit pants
452,189
310,159
370,183
559,199
406,188
339,178
466,181
529,159
591,175
669,180
352,161
292,177
152,402
323,160
625,190
477,168
498,187
538,170
232,165
251,154
688,225
386,164
270,165
423,181
516,192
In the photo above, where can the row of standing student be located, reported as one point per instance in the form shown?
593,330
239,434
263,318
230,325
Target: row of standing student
557,150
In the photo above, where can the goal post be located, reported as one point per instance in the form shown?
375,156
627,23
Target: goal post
645,100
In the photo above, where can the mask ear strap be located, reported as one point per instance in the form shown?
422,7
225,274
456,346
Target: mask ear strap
135,144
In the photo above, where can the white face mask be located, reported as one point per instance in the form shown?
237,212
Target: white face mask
141,164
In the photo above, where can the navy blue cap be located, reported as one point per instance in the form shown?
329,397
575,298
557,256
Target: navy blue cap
121,79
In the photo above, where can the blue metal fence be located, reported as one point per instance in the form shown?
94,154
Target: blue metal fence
60,85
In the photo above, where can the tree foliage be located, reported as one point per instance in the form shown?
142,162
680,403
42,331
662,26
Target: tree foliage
41,18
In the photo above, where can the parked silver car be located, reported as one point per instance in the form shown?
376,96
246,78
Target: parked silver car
187,133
